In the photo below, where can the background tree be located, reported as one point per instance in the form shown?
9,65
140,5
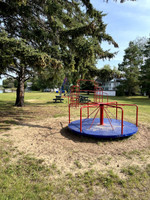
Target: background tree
18,59
47,79
106,74
69,31
130,67
8,83
145,70
87,86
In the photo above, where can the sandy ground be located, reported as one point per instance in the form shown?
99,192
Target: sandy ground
51,141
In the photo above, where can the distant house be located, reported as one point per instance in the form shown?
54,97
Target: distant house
110,87
112,84
29,86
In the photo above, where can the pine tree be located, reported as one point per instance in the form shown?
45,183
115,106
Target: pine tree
70,32
18,60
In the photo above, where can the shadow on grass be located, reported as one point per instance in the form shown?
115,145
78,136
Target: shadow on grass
10,111
10,115
46,104
13,122
4,128
66,132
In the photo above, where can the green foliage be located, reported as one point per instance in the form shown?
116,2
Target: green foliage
62,29
38,84
87,85
69,32
121,89
8,83
145,70
48,78
135,68
106,74
130,67
18,60
15,52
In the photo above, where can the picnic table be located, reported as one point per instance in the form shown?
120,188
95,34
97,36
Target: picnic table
58,99
84,99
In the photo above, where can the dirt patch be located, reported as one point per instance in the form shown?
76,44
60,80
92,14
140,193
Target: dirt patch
51,140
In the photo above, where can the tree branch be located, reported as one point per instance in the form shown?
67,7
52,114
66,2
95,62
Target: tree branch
9,75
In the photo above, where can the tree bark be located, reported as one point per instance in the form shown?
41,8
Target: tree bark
20,89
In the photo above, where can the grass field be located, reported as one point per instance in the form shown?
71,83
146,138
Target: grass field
75,167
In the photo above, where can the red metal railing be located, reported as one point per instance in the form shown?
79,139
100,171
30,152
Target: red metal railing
122,113
120,104
101,120
98,102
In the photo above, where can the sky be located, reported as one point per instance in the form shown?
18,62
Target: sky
125,22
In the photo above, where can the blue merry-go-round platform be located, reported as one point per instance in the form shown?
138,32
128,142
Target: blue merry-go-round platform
103,131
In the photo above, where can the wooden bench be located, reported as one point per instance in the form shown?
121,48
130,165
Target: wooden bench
58,99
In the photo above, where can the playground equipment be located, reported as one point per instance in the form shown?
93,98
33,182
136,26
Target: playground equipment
100,121
65,87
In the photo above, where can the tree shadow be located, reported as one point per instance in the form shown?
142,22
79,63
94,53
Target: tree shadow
10,115
35,126
4,127
13,122
48,103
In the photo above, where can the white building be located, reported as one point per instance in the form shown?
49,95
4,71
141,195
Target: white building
111,85
29,86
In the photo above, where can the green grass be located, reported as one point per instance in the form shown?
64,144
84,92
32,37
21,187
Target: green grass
23,177
28,178
45,100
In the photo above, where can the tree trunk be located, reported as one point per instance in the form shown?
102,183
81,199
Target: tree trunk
20,89
129,91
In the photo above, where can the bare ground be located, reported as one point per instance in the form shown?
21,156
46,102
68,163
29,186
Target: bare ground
51,141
